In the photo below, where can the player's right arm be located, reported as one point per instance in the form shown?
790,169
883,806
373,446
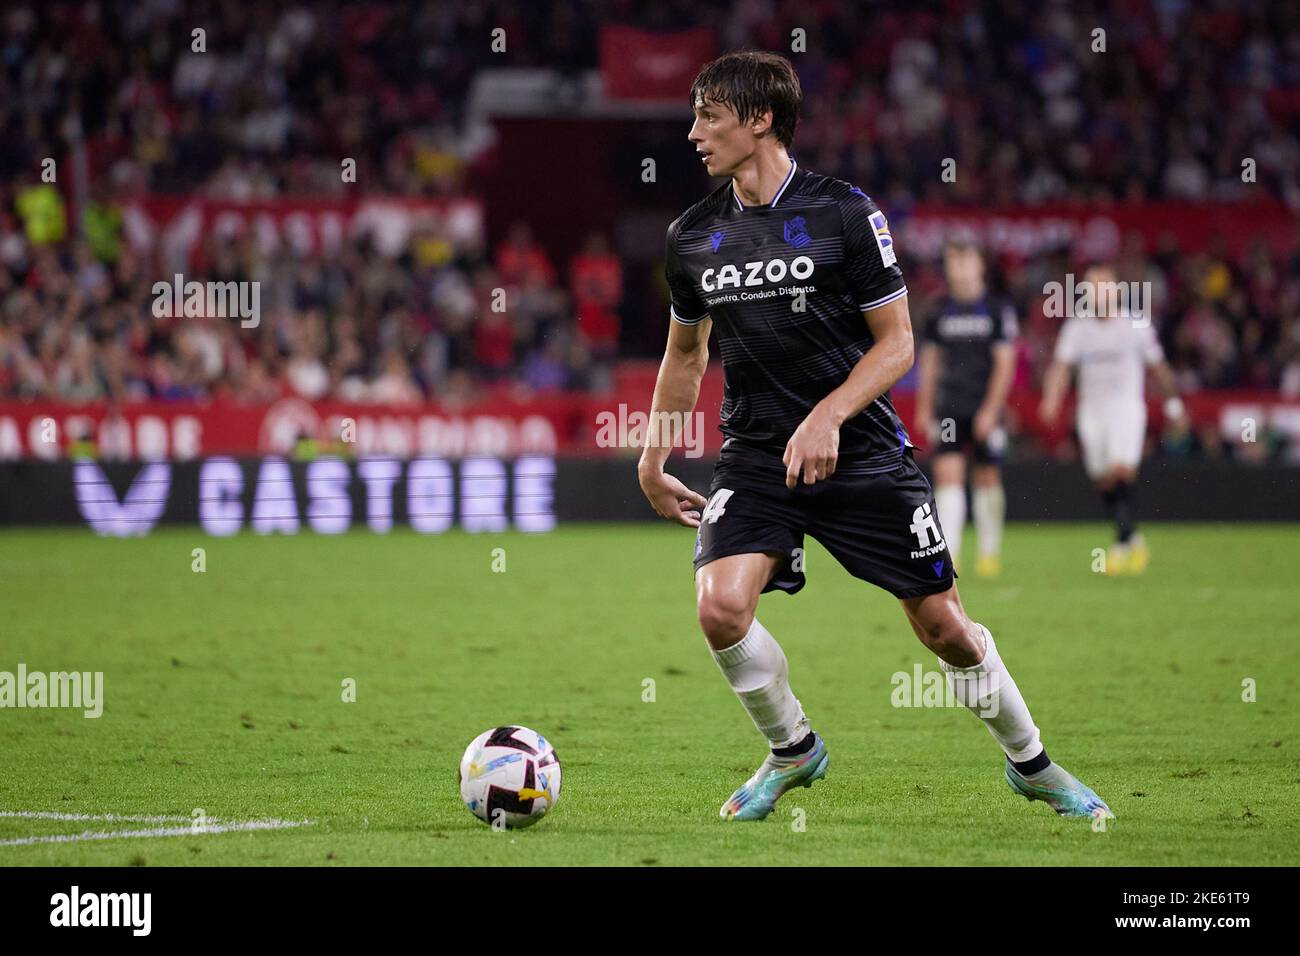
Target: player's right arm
1057,379
929,362
676,390
1054,384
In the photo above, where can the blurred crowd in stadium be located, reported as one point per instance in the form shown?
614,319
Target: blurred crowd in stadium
356,326
285,90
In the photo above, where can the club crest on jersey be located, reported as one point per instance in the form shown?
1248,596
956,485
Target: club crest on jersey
796,232
716,238
884,240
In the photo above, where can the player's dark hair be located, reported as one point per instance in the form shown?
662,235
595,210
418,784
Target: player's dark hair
750,82
963,243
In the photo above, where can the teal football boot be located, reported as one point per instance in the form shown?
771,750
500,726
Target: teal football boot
1060,790
758,796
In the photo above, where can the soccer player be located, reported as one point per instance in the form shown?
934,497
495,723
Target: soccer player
1112,348
968,358
798,274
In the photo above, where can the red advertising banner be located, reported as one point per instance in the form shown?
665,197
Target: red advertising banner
576,424
180,225
646,65
1097,231
181,431
1235,412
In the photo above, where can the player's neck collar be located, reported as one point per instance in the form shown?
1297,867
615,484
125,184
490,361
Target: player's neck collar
789,178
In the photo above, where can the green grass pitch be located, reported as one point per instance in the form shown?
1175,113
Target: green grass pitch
223,691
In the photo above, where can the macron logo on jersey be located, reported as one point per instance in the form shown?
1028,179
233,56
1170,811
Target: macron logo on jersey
716,238
884,240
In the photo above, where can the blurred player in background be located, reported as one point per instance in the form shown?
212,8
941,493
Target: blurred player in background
968,359
1111,350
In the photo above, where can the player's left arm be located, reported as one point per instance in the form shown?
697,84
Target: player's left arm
1154,357
1004,371
814,447
876,283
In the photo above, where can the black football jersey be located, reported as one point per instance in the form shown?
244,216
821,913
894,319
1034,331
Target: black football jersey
786,285
965,333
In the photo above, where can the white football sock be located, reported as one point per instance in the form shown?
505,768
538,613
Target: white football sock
950,500
988,690
989,506
757,671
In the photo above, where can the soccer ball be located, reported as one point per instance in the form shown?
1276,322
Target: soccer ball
510,777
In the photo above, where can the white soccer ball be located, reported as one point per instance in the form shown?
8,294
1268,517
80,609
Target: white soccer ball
510,777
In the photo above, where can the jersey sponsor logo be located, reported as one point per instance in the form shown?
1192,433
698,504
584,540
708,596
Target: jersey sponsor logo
795,232
970,325
1102,356
716,239
756,273
884,239
926,528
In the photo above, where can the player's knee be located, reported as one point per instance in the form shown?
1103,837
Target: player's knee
951,636
948,470
724,617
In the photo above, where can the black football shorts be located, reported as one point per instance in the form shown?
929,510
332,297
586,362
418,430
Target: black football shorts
883,527
962,433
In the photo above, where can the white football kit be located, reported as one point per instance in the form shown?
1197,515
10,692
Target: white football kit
1111,356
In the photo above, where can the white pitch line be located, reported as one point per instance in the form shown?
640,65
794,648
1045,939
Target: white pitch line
158,832
106,817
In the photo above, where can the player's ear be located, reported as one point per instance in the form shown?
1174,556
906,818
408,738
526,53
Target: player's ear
761,123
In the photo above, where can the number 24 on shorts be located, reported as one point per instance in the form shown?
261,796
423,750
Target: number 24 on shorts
717,506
